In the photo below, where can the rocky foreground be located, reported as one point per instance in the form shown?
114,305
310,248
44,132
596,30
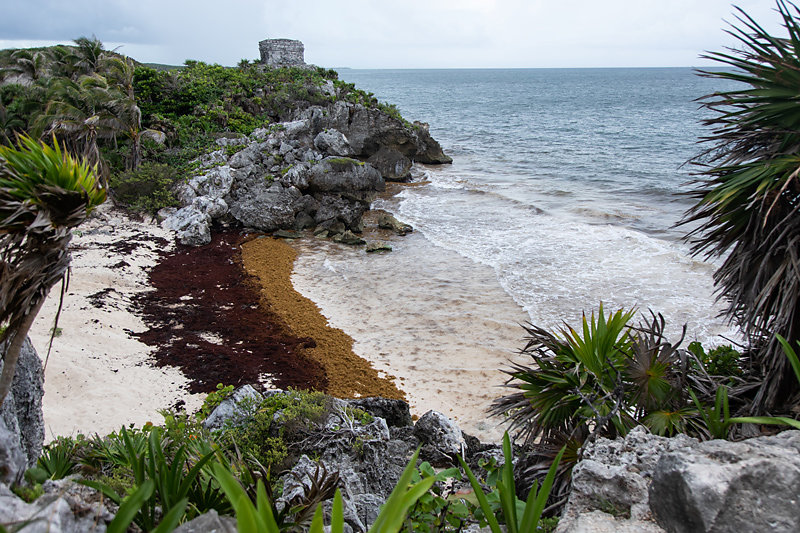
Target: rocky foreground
637,483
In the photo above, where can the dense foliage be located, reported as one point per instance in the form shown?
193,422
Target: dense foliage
121,114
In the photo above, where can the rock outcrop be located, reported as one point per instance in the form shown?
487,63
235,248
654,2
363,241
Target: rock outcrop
649,483
367,453
323,168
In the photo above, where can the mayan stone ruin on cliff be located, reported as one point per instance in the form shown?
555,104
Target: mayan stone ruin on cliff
281,52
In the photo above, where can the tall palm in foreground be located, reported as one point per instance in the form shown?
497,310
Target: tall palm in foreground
44,193
749,194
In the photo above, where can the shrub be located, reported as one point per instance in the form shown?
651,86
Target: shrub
147,189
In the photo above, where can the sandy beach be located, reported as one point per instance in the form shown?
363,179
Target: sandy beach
147,325
98,377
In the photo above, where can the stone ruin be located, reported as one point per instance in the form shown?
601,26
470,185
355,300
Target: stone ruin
281,53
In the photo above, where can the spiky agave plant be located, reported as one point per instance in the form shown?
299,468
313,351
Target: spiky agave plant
44,193
749,193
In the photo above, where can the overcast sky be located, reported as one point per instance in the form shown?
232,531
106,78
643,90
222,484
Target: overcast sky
391,34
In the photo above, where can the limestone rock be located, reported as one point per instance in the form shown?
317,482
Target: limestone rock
12,458
334,210
378,246
392,165
344,175
66,507
387,221
264,206
441,439
348,237
333,142
235,409
192,226
616,475
210,522
22,408
719,486
395,412
281,52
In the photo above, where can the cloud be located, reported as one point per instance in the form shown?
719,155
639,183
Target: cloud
380,34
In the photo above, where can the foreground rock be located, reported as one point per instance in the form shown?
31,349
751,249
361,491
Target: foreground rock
649,483
367,453
21,419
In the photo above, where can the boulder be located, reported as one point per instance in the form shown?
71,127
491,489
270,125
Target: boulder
22,408
396,413
193,227
344,175
387,221
215,183
265,206
210,522
334,210
392,165
235,409
441,439
65,507
333,142
348,237
718,486
378,246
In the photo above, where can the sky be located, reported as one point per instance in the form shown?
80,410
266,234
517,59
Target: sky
393,34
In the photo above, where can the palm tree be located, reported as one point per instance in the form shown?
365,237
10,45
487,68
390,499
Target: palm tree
44,193
749,194
128,115
88,54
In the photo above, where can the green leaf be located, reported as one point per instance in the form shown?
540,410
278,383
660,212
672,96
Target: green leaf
172,518
482,502
129,508
337,514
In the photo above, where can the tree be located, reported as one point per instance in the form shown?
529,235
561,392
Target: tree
44,193
748,194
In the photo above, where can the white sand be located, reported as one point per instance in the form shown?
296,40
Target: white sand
97,377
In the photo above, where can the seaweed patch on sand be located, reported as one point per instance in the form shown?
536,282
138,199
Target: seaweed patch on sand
271,262
204,317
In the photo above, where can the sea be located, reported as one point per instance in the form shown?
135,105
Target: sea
564,194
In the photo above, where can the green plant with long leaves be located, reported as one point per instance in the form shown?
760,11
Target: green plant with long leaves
258,516
748,193
44,193
174,480
519,516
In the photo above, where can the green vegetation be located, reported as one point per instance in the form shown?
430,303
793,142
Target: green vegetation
44,193
747,195
130,118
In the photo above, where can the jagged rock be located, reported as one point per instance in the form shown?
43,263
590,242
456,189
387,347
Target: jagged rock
265,206
22,408
348,237
441,439
336,213
12,459
248,156
210,522
718,486
387,221
333,142
344,175
392,165
615,475
378,246
395,412
233,410
192,227
215,183
66,507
